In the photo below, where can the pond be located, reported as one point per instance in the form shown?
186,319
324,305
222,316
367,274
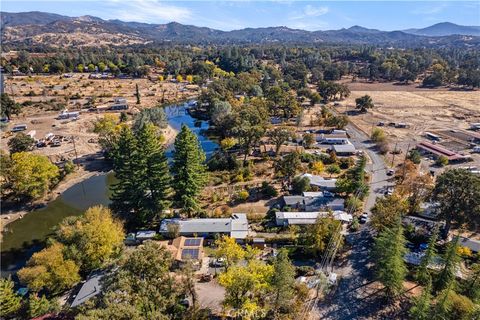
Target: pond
26,236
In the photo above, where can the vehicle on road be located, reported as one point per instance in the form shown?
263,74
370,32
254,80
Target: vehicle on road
390,172
363,218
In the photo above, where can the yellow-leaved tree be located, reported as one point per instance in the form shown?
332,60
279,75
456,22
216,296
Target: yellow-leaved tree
92,239
229,250
246,287
50,270
30,175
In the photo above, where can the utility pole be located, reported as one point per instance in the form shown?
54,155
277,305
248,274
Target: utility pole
75,150
404,161
393,154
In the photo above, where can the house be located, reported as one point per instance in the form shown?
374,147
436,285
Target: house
236,226
332,139
313,203
344,149
184,249
304,218
321,182
437,151
89,289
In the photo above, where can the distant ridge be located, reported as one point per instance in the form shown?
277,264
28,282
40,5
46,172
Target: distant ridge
40,28
446,29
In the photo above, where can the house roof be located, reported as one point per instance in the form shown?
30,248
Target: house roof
320,181
183,248
313,194
293,200
440,151
344,148
310,217
236,225
90,288
473,245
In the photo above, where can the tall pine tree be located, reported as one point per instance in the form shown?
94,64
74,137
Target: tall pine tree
125,196
153,166
141,167
446,278
420,309
423,275
283,283
188,171
389,251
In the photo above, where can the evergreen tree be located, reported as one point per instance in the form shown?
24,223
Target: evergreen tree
141,167
283,282
38,306
137,93
10,302
423,275
421,306
154,169
446,278
389,251
188,170
473,284
125,196
443,306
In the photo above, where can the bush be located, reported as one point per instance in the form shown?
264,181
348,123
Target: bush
414,156
242,196
353,203
378,135
303,271
441,161
268,190
69,167
300,185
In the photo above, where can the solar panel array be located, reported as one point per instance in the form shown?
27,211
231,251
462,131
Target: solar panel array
192,242
190,253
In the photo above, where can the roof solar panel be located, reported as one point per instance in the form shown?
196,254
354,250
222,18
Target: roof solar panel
190,253
192,242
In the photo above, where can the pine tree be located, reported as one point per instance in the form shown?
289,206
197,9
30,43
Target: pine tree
126,196
443,305
421,306
283,282
446,278
188,170
423,275
389,251
38,306
154,169
10,302
137,93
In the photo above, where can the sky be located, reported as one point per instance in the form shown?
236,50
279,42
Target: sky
231,15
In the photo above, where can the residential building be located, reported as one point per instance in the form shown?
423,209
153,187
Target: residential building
184,249
236,226
89,289
304,218
321,182
314,203
344,149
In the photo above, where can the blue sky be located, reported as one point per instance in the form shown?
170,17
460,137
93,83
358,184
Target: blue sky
229,15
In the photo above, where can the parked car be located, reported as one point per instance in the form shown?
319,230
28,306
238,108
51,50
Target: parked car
218,263
363,218
389,191
390,172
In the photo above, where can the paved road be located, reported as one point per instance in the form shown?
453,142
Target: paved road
354,298
377,169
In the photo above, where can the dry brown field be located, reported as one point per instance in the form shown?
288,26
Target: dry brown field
51,94
423,110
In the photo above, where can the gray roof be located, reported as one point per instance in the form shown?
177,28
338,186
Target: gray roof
309,217
236,226
473,245
293,200
320,202
320,181
90,288
343,148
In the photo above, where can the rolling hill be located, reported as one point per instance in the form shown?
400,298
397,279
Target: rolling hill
39,28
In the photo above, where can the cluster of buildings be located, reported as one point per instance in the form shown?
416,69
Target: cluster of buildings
337,140
309,206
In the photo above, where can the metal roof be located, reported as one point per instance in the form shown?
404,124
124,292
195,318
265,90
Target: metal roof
344,148
90,288
236,225
320,181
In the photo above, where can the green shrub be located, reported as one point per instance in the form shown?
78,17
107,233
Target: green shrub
242,195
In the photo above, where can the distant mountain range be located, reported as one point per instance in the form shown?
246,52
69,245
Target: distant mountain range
40,28
446,29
